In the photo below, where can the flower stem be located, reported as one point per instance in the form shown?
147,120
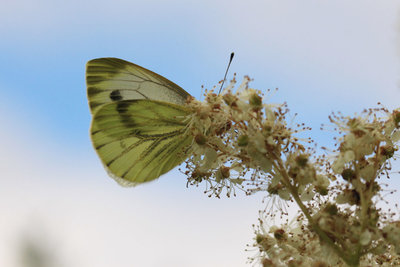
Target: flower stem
351,260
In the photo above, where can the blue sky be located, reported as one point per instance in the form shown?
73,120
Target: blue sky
323,57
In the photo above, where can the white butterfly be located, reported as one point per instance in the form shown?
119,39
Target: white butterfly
138,127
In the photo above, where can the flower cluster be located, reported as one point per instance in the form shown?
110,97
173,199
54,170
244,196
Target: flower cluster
291,244
239,141
295,244
242,142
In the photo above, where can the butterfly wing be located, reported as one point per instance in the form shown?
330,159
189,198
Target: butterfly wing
112,79
139,140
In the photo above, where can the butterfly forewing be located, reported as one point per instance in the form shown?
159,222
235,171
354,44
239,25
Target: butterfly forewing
139,140
112,79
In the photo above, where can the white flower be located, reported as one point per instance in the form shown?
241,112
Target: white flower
284,194
210,159
338,165
348,156
322,181
396,136
368,172
365,238
258,140
307,194
349,140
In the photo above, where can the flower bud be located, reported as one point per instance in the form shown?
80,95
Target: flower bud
229,99
267,263
279,234
200,139
255,101
348,174
323,191
224,172
243,140
349,196
387,151
302,160
224,128
396,117
331,209
274,190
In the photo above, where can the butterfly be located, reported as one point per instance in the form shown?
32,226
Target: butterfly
139,125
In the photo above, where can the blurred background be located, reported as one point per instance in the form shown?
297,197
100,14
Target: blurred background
58,206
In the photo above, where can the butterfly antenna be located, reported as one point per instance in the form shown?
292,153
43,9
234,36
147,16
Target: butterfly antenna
226,72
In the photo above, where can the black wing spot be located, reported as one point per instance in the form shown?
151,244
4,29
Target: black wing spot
122,107
115,95
125,118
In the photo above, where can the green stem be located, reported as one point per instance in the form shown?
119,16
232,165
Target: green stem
349,259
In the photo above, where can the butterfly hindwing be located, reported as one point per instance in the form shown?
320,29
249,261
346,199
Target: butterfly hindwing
139,140
112,79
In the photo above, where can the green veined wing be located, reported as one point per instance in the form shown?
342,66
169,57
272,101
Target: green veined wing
113,79
136,137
